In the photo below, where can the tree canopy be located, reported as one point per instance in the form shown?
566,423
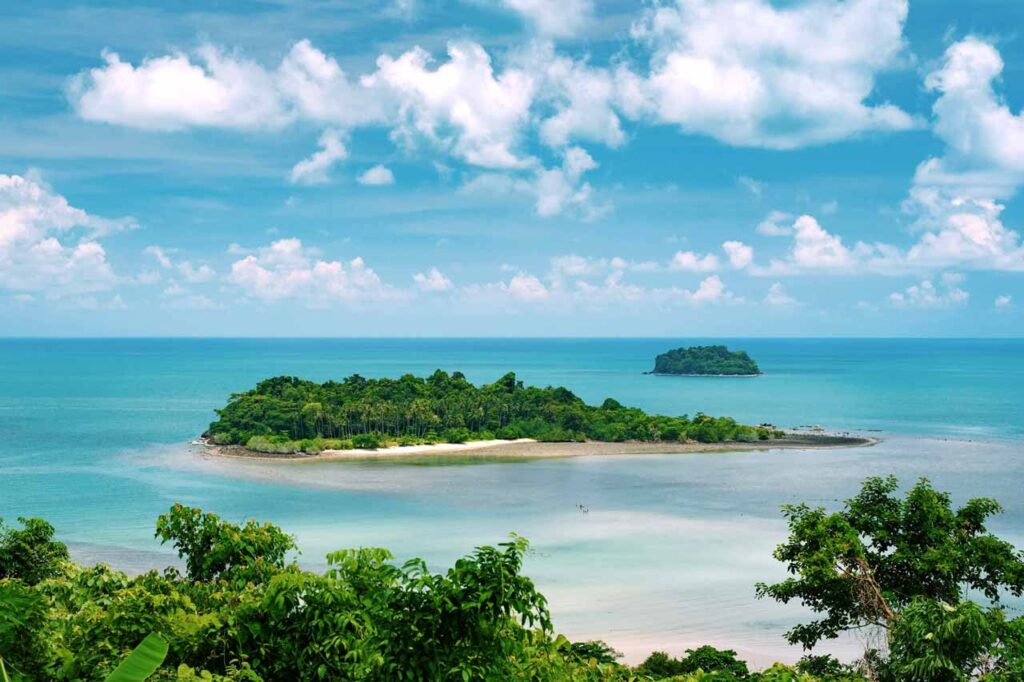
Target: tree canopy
910,567
928,576
707,360
287,414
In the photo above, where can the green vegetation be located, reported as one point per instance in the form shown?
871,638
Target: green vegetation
287,415
904,569
244,612
705,360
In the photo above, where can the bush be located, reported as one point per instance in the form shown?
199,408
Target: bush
30,554
712,660
659,664
273,445
366,441
459,435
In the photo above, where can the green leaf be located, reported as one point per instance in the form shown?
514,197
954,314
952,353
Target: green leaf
142,662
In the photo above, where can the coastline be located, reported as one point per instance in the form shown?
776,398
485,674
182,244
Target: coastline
526,448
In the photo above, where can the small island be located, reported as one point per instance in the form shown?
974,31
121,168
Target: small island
291,416
717,361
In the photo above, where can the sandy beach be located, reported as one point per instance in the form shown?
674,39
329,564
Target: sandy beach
528,448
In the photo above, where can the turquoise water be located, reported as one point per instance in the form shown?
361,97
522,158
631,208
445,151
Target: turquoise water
95,438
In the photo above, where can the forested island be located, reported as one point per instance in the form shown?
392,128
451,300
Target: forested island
706,361
922,578
287,415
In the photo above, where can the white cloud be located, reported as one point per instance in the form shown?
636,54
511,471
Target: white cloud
582,98
563,189
313,171
962,231
772,225
378,175
740,255
927,295
556,191
195,274
815,249
978,128
1004,301
958,198
314,87
192,274
525,287
49,246
160,255
711,290
433,280
748,73
173,92
287,270
556,19
461,106
691,262
778,297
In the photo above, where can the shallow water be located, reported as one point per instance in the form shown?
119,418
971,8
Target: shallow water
96,439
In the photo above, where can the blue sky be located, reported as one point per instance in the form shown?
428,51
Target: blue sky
512,167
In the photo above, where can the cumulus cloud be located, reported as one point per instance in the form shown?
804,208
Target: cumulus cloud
582,99
1004,301
815,249
563,189
740,255
461,106
691,262
977,126
711,290
378,175
958,198
749,73
556,19
433,280
220,89
288,270
175,92
313,171
49,246
927,294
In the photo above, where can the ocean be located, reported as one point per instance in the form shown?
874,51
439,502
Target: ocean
95,438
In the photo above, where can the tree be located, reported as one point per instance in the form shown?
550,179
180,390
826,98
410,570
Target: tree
30,554
860,566
213,548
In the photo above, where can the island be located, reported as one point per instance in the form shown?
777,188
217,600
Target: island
717,361
288,416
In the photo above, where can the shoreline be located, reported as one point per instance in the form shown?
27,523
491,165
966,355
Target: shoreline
526,448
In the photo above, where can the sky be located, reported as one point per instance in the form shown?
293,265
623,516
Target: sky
512,168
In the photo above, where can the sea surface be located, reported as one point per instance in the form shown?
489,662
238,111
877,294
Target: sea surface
95,438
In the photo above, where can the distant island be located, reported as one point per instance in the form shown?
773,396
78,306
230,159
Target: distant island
706,361
287,415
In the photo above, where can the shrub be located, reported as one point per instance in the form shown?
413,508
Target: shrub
365,441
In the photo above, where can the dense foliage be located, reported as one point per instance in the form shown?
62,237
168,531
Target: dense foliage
907,568
710,360
244,612
286,414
